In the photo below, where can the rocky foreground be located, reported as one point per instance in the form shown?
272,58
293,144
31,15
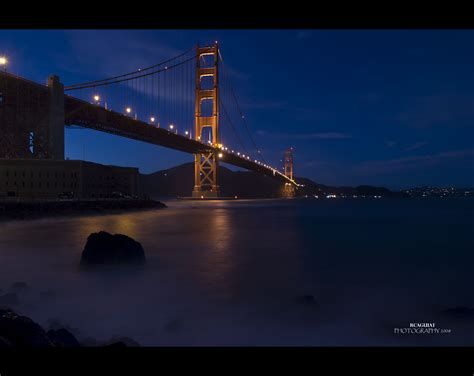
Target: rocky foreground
16,330
21,331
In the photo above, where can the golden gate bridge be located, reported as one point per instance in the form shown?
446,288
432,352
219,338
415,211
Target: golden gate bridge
186,103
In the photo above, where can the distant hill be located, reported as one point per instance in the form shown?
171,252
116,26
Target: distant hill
179,181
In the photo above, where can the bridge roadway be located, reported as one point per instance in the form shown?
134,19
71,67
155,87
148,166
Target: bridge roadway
87,115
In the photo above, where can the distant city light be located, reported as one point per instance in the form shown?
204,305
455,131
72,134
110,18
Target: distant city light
152,119
186,133
128,110
171,126
96,98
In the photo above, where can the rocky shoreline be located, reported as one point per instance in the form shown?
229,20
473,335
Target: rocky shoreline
21,331
41,209
18,330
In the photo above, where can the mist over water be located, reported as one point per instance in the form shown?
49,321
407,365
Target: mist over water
233,273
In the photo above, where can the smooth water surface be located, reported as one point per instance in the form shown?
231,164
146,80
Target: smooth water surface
234,272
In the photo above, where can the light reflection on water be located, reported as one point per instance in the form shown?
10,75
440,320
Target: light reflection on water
222,273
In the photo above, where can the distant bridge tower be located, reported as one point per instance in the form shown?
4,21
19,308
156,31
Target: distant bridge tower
206,163
289,163
288,189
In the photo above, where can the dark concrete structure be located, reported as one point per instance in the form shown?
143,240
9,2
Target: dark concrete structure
31,118
48,179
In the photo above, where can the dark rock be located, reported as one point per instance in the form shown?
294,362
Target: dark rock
9,299
22,331
460,312
5,342
62,338
116,344
55,324
89,342
103,248
129,342
18,287
307,299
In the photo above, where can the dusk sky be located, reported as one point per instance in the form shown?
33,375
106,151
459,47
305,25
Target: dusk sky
392,108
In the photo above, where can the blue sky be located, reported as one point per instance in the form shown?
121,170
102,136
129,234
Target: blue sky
384,107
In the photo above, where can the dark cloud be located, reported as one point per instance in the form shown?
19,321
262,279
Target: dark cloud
410,163
416,146
307,136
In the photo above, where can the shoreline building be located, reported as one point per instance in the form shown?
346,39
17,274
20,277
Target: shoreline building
32,164
49,178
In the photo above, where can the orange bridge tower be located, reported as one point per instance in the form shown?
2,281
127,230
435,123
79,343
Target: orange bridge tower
288,189
206,116
289,163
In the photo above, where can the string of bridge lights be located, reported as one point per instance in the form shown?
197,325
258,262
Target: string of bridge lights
188,134
173,129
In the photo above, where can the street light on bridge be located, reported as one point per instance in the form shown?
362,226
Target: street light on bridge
3,62
96,99
128,110
152,119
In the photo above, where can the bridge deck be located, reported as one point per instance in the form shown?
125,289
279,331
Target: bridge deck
84,114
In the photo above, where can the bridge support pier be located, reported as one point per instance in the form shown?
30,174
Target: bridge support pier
289,190
205,176
206,164
56,118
